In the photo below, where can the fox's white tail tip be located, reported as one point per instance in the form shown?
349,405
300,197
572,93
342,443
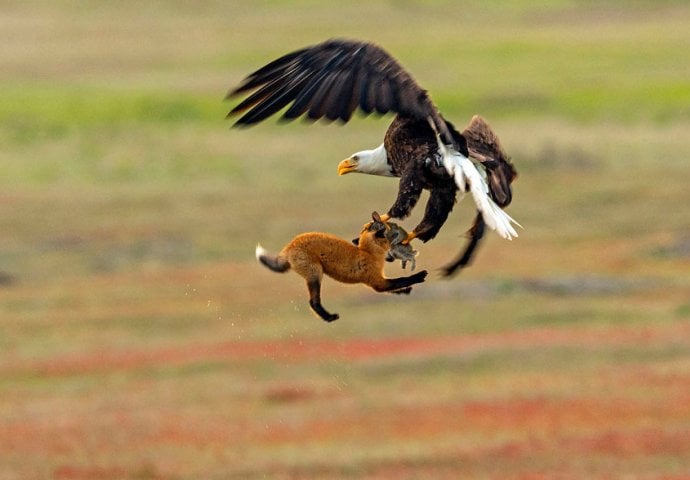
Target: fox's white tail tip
260,251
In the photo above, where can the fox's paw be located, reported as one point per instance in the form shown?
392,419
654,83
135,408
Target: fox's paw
419,277
332,317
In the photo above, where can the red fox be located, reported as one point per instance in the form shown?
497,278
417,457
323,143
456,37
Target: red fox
314,254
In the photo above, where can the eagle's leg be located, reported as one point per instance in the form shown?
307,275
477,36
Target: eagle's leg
438,207
476,233
409,191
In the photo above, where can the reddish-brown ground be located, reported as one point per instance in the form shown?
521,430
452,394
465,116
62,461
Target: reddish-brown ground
351,350
630,417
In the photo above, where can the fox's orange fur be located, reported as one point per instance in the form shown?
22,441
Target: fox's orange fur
314,254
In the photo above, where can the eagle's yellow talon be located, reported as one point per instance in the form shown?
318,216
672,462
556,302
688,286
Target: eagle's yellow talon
410,236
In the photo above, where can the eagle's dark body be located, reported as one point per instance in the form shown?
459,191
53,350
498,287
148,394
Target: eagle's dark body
414,156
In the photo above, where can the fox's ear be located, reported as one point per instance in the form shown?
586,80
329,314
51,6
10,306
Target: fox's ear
375,216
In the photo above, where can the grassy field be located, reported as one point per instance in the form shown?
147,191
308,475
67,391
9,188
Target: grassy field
141,340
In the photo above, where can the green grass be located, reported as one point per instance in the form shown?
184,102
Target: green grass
129,213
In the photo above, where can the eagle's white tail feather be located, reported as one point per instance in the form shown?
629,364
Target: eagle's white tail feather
465,172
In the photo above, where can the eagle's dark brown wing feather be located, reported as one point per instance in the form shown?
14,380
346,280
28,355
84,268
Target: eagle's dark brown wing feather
331,80
484,145
266,73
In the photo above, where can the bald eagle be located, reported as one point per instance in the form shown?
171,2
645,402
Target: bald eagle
331,79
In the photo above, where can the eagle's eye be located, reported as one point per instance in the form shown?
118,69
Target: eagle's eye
355,158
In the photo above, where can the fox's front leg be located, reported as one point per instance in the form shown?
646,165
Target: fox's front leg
400,284
314,286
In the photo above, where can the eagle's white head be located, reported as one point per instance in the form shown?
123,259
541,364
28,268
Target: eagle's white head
373,162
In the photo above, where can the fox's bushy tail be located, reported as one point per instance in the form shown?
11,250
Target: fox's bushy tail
274,262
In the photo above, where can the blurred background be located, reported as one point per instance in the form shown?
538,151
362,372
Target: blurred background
141,340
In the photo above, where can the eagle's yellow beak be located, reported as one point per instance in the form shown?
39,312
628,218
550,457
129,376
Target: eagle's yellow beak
347,166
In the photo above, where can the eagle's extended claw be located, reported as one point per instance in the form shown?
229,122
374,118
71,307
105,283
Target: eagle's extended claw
410,236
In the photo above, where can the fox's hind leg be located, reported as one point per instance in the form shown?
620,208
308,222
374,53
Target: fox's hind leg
312,272
314,286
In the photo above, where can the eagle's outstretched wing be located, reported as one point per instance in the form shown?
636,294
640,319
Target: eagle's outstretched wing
330,80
